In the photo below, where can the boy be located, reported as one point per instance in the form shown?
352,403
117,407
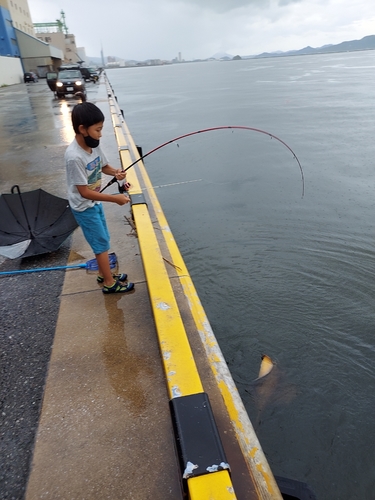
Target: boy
85,162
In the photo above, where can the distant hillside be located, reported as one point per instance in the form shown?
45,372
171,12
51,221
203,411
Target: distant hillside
366,43
94,60
222,55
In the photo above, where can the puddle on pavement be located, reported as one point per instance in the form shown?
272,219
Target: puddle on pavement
123,365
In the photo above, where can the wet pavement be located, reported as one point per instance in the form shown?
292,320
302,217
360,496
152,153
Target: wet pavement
33,138
34,132
105,360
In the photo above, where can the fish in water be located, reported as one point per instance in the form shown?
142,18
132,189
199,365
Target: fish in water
270,388
265,366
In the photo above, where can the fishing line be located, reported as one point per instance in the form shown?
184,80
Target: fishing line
171,184
211,129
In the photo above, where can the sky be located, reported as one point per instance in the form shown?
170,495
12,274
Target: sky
198,29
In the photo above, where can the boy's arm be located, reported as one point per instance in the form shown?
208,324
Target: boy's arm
89,194
118,173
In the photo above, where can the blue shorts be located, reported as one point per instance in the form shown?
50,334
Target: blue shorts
94,227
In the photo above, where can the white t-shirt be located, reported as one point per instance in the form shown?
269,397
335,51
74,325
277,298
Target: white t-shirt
83,169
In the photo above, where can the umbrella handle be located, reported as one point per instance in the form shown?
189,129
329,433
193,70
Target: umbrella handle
16,187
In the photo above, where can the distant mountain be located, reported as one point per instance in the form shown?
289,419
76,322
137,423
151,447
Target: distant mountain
94,60
221,55
366,43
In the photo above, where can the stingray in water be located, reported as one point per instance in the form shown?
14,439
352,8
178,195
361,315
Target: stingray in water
271,388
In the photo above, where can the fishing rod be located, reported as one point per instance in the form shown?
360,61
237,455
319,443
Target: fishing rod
211,129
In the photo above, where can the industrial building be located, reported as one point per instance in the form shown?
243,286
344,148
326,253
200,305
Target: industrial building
28,47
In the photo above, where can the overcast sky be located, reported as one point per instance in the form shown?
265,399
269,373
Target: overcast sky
160,29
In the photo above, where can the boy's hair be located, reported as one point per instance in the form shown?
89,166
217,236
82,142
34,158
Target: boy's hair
86,114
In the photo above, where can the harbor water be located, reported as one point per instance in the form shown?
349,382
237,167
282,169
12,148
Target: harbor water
280,270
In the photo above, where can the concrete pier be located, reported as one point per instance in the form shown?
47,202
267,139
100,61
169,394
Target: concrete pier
105,426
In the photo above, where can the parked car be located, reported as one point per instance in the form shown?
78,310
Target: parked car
94,75
70,81
30,77
89,74
85,73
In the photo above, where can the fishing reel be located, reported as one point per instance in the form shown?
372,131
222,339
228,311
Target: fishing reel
123,187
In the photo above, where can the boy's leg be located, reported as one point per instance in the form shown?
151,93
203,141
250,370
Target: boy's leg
111,284
94,227
104,268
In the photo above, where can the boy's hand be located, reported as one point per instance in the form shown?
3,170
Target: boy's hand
120,175
121,199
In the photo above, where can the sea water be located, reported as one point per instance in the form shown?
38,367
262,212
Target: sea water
279,271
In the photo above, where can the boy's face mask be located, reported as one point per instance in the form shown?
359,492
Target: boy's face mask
90,141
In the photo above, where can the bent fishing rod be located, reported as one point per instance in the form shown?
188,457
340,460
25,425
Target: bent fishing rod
241,127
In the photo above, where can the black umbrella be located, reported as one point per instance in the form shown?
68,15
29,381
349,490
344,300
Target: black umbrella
33,223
